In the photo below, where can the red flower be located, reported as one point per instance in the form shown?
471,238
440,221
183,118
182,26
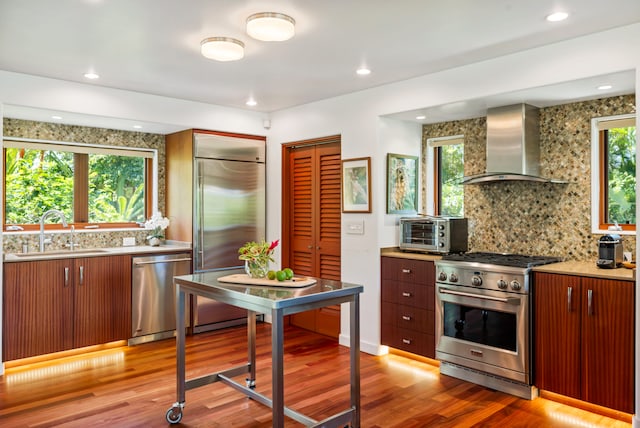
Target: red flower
273,245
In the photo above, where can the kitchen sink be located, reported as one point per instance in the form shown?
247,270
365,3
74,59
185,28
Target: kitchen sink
62,252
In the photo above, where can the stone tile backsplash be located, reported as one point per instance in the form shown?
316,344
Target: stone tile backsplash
537,218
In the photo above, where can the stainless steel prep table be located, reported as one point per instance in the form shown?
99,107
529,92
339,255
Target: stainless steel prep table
279,301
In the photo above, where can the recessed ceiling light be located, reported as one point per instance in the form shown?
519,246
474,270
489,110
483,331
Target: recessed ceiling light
222,48
137,126
421,117
363,71
91,76
56,117
557,16
251,102
604,87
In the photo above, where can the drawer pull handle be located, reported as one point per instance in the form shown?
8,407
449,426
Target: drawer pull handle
406,318
405,294
66,276
406,341
590,302
406,270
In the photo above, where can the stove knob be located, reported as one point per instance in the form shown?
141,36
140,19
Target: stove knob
476,281
441,234
515,285
442,276
453,277
502,284
441,244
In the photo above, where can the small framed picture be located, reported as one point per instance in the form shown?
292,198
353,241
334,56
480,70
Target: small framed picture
356,185
402,184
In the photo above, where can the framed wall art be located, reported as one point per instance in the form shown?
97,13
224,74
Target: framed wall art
356,185
402,184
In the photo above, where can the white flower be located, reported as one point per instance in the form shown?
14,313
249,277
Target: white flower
157,222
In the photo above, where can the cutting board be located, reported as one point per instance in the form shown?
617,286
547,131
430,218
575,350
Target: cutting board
243,278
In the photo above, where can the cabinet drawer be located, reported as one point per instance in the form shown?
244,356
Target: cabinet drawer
419,296
408,340
408,317
404,269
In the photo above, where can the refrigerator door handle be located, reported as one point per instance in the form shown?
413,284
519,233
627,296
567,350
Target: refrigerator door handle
200,253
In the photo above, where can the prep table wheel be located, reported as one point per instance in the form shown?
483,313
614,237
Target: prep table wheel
174,414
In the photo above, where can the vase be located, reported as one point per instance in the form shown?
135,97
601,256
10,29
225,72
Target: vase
256,268
154,242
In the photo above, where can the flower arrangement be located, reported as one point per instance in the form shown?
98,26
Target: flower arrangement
258,251
157,224
257,256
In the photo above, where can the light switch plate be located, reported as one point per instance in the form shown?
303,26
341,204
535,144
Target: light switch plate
355,227
128,242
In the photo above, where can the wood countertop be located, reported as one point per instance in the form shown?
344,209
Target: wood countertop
395,252
588,269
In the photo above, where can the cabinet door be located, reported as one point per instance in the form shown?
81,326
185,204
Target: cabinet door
102,299
37,308
557,333
608,340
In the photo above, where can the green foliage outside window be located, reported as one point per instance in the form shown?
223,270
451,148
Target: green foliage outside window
621,174
40,180
451,173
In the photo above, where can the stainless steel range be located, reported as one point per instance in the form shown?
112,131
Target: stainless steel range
483,324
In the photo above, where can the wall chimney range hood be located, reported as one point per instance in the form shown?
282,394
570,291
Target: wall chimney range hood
513,146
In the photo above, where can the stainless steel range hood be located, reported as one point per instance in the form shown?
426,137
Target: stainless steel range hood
513,146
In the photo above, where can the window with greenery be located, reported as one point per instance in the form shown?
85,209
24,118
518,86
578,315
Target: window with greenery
616,167
89,184
447,156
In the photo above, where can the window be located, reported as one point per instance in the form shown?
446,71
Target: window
614,172
446,159
90,184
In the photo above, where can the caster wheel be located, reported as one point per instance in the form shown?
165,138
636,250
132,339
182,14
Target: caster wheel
174,415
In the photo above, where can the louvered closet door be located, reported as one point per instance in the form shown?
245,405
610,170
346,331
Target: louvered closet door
314,213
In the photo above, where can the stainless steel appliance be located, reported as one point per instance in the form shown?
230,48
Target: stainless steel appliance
153,307
483,326
610,252
229,176
433,234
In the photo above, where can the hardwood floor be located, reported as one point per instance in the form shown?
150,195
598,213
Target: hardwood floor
135,386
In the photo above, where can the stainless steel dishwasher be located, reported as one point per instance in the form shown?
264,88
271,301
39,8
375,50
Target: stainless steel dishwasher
153,310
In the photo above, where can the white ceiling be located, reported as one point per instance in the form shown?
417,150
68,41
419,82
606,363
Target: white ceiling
152,46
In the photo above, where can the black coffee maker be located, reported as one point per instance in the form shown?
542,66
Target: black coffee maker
610,252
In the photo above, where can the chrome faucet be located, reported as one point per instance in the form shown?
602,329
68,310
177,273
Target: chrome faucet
42,219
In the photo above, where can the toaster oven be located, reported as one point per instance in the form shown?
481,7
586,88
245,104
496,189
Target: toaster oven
433,234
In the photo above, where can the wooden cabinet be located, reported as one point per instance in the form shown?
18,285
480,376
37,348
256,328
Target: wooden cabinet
584,338
408,305
56,305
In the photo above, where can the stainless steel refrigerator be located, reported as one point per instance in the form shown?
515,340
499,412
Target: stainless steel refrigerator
230,206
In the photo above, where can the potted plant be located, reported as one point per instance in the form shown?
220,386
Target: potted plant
157,224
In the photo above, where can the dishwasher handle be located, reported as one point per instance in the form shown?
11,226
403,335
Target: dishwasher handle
155,262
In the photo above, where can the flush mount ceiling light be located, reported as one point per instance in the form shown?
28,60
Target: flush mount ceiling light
363,71
222,48
271,26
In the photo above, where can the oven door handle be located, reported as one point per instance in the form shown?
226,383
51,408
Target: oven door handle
509,300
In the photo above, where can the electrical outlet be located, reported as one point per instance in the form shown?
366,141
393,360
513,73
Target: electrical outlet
128,242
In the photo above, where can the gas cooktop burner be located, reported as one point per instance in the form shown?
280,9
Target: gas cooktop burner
499,259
